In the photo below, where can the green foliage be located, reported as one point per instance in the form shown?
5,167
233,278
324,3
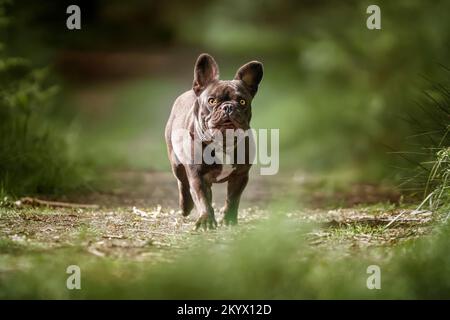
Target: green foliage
438,181
429,145
272,261
34,156
439,178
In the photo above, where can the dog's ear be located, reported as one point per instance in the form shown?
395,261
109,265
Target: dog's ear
251,75
206,71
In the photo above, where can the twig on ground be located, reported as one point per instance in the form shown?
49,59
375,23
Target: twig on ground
140,212
39,202
413,212
113,236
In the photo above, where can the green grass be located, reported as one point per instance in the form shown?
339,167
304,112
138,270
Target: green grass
439,179
428,147
357,229
271,260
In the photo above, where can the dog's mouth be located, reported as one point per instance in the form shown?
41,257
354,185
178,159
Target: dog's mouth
227,124
224,123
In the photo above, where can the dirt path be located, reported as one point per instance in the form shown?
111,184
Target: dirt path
138,219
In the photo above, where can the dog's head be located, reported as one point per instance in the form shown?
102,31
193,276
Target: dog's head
225,104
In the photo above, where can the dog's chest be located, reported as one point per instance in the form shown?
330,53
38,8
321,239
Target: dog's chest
220,173
227,169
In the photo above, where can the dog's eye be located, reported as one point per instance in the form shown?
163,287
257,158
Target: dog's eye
242,102
212,101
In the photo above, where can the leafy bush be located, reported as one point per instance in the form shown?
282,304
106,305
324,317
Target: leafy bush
34,156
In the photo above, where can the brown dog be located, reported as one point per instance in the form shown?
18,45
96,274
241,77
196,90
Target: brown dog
212,105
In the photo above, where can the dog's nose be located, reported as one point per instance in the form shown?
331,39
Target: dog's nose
227,108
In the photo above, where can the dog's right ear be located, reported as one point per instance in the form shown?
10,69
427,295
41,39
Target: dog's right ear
206,71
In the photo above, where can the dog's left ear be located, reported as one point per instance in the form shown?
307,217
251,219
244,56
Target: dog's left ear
251,75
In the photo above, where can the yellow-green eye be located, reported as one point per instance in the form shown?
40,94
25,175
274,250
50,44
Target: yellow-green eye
242,102
212,101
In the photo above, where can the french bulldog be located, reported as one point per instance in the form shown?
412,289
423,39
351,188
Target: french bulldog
211,106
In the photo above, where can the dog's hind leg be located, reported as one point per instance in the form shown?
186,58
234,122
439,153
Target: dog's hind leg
185,199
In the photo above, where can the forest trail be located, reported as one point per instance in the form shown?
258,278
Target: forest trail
138,217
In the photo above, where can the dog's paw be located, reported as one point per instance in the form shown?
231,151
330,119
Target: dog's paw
228,221
229,218
206,222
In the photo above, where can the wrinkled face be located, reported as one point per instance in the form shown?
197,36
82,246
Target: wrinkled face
225,104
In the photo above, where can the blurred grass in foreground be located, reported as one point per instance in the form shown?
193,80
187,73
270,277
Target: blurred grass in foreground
272,261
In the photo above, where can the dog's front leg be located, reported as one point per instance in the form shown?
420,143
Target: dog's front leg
202,196
236,185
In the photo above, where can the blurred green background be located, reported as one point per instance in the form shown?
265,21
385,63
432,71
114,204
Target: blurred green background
340,94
